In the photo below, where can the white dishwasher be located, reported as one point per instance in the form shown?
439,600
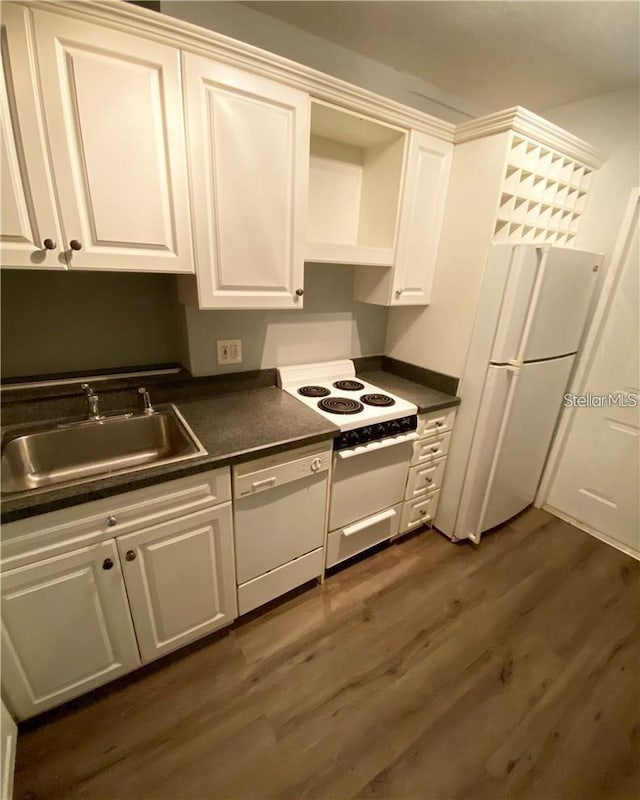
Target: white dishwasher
279,507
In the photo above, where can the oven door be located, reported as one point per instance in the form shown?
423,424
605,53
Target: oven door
369,478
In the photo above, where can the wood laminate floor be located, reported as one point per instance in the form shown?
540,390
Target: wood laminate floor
427,670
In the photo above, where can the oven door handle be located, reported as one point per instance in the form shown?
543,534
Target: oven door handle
361,449
369,522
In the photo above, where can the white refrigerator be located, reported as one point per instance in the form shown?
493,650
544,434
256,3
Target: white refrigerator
529,324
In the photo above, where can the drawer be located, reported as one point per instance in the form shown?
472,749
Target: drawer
352,539
46,535
420,511
436,422
267,587
424,478
428,450
273,471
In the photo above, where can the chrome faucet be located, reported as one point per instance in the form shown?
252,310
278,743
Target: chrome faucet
93,401
148,408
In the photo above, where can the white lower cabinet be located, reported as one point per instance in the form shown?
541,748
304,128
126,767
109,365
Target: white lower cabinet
180,579
66,628
426,469
8,736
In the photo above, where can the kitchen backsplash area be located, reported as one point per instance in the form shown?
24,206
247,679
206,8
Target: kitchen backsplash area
65,322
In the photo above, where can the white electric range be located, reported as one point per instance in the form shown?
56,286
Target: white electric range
371,453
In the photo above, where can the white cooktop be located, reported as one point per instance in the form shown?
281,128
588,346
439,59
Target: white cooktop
323,375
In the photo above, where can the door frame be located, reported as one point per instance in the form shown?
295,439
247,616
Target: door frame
587,356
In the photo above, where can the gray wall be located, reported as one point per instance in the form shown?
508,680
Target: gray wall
66,321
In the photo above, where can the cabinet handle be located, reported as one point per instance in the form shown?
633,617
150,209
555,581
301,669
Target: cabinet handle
399,292
74,244
130,555
111,521
50,244
429,480
299,292
107,564
439,424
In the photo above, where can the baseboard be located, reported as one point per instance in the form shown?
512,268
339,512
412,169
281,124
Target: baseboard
629,551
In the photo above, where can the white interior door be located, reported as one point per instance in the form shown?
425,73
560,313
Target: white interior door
596,479
28,214
249,164
113,111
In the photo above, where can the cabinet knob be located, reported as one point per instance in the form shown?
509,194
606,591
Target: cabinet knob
299,292
439,424
74,244
399,292
423,511
130,555
107,563
50,244
434,449
429,480
111,521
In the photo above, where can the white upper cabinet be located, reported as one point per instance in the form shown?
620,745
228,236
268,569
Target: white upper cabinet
426,178
114,122
30,236
248,143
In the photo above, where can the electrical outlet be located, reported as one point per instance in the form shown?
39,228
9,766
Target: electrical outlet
229,351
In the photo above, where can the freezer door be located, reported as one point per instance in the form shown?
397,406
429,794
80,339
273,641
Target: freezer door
524,440
545,305
564,296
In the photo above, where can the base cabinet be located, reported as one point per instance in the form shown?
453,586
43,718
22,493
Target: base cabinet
66,628
180,579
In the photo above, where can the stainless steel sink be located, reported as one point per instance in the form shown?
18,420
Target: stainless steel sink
64,453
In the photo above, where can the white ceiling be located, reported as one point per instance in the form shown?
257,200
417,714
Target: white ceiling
536,53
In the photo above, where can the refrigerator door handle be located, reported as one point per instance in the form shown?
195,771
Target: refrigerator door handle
476,535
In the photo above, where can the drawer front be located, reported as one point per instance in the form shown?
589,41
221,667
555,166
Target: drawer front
32,539
353,539
429,450
424,478
267,587
436,422
253,478
420,511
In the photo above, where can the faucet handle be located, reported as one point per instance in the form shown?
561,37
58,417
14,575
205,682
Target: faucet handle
148,408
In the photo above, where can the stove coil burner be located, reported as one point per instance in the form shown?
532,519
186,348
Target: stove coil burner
313,391
340,405
349,386
377,399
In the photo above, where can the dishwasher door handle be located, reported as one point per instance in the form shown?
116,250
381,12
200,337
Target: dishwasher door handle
263,484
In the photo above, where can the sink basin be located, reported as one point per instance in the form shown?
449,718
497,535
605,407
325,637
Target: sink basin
64,453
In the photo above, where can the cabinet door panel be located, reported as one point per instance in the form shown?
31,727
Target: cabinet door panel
248,150
180,579
422,210
115,125
66,628
27,206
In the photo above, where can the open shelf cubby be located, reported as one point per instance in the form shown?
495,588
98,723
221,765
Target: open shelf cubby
355,179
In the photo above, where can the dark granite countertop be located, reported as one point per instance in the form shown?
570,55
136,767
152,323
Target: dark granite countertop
232,427
424,397
236,418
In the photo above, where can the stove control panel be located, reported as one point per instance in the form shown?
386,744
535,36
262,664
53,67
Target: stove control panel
370,433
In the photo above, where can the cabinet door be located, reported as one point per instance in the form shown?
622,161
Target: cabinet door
114,121
9,734
27,206
180,579
66,628
422,210
248,140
